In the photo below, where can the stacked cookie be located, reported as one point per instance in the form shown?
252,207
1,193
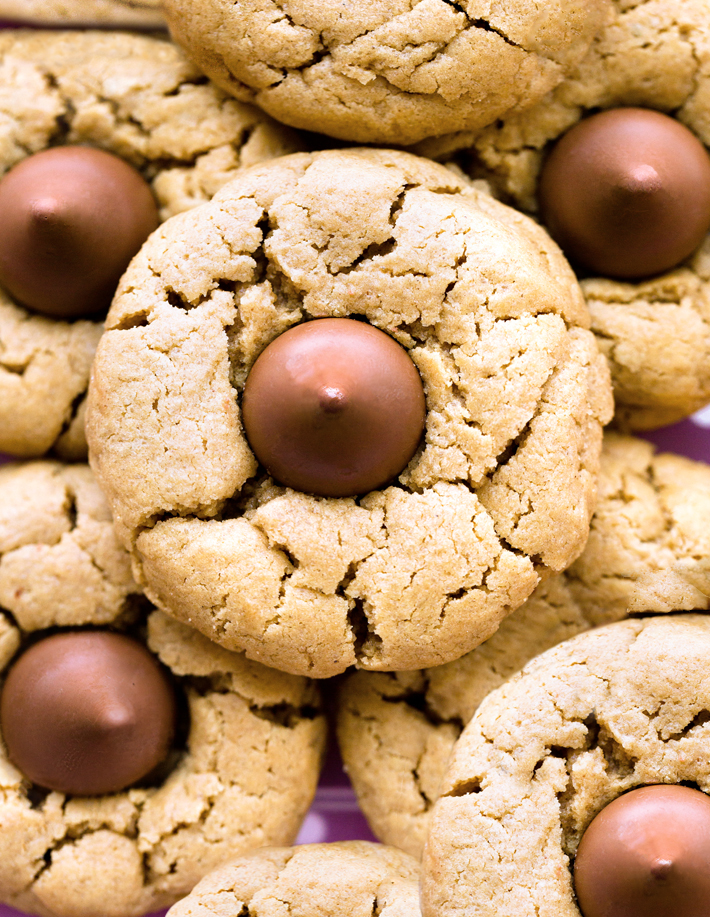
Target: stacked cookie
346,410
136,754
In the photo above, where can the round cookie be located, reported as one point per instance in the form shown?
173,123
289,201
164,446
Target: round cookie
647,551
244,776
392,72
620,707
346,879
143,14
655,332
499,493
146,104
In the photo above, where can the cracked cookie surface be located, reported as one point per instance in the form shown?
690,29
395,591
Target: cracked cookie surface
147,104
143,14
649,547
347,879
501,489
392,71
60,562
396,731
655,333
647,551
622,706
245,778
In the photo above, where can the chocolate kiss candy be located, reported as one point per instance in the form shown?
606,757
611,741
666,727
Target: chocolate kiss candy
71,218
87,713
334,407
626,193
647,854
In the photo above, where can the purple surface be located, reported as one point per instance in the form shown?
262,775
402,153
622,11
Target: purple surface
689,437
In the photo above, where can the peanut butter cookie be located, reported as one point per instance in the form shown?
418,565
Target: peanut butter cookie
500,490
150,107
392,72
244,761
242,775
654,54
647,551
613,709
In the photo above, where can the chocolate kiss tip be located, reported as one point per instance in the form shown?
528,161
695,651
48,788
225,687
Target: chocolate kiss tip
332,400
643,179
626,193
45,210
660,868
334,407
87,712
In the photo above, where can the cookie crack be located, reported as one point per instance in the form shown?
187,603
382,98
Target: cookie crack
366,641
69,507
701,718
419,700
283,713
486,26
71,416
18,368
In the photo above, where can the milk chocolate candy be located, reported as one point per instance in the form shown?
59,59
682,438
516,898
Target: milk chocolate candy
647,854
334,407
87,713
71,219
626,193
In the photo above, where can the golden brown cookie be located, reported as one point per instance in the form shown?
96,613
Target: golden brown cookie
347,879
247,754
654,54
132,14
648,550
500,491
151,107
392,72
616,708
243,776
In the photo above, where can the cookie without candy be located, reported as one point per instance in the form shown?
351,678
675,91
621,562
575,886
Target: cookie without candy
144,14
348,879
501,489
147,104
648,550
655,333
391,72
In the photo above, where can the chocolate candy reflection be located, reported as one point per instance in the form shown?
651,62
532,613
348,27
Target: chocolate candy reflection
71,219
626,193
647,854
87,713
334,407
